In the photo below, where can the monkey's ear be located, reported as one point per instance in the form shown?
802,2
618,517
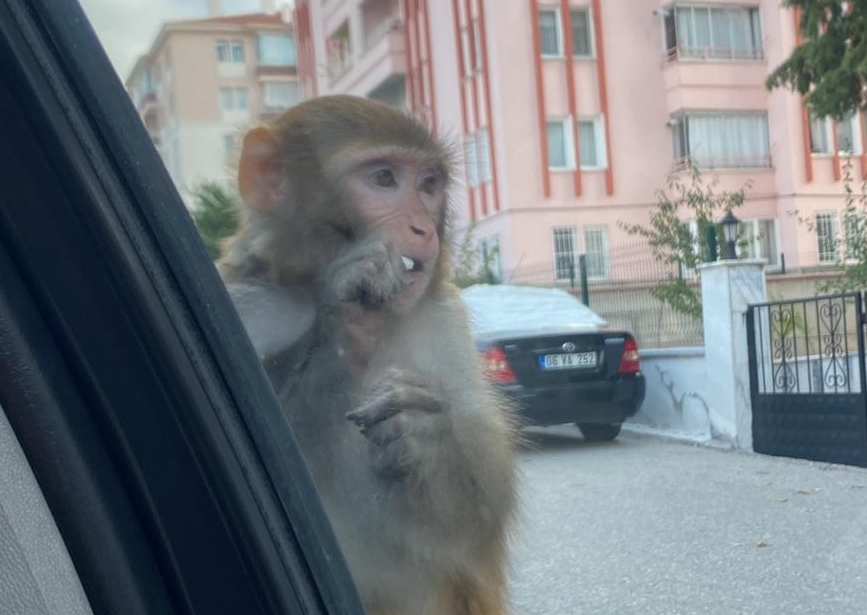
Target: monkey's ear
261,177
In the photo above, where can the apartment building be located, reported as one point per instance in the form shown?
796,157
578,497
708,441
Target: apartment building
203,82
572,114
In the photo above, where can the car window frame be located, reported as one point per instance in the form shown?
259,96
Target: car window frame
124,370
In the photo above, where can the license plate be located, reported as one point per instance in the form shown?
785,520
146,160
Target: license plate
570,360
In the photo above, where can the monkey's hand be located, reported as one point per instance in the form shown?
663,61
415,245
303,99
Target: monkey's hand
371,273
405,422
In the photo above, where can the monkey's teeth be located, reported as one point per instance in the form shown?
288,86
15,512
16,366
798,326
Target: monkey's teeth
408,263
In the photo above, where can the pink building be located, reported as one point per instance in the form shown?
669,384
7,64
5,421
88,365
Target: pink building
572,114
204,82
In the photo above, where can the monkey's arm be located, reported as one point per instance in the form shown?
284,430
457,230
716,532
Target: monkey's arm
441,436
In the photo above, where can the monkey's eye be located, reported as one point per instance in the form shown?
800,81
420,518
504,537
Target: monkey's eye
430,184
384,178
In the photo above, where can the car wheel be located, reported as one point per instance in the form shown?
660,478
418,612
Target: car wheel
599,432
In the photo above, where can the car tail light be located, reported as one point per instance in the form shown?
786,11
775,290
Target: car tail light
629,361
497,368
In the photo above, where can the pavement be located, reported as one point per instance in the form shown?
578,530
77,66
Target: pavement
650,525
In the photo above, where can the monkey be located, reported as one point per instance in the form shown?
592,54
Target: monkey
343,252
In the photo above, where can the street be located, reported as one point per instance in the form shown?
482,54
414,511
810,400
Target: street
646,525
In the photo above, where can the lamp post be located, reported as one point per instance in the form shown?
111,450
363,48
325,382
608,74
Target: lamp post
730,226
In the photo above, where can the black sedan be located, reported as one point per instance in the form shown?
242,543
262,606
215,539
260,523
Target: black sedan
556,358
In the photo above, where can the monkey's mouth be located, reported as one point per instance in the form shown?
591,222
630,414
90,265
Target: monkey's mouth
411,264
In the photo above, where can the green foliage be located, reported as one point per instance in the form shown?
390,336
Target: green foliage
830,66
850,246
686,198
471,266
215,212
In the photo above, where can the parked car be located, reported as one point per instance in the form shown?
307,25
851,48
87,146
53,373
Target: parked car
556,358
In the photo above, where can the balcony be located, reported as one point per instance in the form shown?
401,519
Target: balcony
693,83
382,59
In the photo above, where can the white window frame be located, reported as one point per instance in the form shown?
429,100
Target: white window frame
827,257
229,46
568,143
563,253
558,31
483,156
751,230
711,53
471,160
270,104
593,273
681,129
825,127
591,34
599,146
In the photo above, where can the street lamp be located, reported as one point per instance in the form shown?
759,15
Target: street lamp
730,226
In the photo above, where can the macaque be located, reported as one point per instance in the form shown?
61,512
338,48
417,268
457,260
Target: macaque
342,260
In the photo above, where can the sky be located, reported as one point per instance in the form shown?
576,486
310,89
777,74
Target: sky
128,27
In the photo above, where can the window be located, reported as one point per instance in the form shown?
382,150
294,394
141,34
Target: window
490,249
277,50
848,135
565,263
713,32
596,252
466,51
560,147
483,155
279,94
229,147
230,51
591,141
826,237
477,37
233,98
582,41
759,240
855,227
721,140
237,51
549,32
471,160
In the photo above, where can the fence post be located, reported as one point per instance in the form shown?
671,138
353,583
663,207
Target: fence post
727,289
585,288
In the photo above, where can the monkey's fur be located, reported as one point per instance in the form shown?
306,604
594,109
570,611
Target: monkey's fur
410,447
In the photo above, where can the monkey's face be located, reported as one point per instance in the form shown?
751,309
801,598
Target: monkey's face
400,194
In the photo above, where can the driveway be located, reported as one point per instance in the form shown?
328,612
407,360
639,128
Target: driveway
648,526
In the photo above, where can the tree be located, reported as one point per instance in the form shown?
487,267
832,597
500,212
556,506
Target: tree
215,212
850,245
830,65
471,266
673,241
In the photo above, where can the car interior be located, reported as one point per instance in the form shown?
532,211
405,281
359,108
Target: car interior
145,466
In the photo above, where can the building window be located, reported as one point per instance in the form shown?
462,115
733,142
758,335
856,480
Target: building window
759,240
229,147
466,51
549,32
713,32
596,252
279,95
582,38
561,150
471,160
826,237
477,37
230,50
277,50
565,263
490,249
233,98
483,156
855,227
848,135
721,140
339,52
591,141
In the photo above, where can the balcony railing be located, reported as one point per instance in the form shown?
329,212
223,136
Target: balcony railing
714,53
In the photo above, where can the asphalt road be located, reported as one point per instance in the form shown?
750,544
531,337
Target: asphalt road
650,526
